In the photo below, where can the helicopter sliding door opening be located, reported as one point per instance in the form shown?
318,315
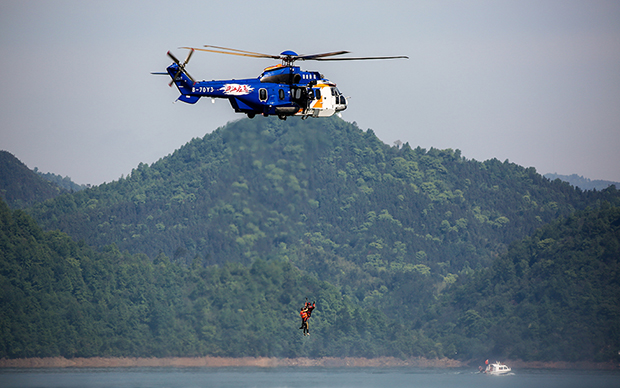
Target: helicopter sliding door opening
301,96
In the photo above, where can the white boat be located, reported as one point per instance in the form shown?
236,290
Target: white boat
496,368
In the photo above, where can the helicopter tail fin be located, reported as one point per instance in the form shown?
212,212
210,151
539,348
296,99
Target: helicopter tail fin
180,77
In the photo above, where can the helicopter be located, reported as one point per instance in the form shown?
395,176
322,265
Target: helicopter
283,89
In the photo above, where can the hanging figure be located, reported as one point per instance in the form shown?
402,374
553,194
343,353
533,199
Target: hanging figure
304,320
309,307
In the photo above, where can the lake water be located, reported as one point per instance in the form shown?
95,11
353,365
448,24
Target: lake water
298,378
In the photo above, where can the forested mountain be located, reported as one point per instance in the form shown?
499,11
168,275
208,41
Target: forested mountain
379,235
21,187
553,296
582,182
259,188
62,298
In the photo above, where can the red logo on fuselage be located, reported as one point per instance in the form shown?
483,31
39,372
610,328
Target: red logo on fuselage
236,89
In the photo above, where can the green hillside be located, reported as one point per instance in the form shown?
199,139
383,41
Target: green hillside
385,238
259,188
331,198
553,296
21,187
61,298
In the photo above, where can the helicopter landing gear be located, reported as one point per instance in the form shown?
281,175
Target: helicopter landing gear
251,115
282,117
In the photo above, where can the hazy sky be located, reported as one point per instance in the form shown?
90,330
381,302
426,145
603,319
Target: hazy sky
534,82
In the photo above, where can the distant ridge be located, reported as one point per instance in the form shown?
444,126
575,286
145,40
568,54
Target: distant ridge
582,182
21,187
66,182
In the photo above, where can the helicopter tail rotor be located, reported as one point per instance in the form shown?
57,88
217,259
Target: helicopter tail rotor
181,67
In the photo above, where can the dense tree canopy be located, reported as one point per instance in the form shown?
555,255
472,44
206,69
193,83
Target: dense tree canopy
61,298
211,250
553,296
324,194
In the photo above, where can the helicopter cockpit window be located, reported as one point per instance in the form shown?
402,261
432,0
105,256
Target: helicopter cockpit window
262,94
317,93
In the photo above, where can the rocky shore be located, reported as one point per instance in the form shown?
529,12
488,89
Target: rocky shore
267,362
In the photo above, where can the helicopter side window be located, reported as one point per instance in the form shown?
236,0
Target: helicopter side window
281,94
317,93
262,94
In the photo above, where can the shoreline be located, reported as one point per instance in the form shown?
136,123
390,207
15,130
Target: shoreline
273,362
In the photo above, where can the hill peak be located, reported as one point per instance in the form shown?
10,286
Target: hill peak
21,187
267,188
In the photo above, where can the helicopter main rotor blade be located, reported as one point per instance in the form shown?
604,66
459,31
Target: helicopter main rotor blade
261,55
360,58
315,56
253,55
239,51
289,59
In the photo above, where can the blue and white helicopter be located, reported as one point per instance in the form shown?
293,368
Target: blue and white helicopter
283,90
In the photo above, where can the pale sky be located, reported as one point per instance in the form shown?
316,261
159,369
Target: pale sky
534,82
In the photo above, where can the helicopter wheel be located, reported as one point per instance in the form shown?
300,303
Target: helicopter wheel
251,115
282,117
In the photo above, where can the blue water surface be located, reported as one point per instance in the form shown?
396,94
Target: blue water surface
155,377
